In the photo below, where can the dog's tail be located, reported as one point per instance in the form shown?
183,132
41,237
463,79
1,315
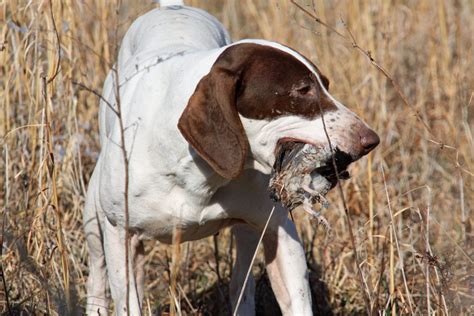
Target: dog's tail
165,3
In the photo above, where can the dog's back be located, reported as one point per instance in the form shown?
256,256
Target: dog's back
170,30
155,37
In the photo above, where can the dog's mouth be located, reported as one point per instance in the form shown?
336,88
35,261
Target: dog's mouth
305,171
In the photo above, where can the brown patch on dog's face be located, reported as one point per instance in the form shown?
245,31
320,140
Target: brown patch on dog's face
258,82
273,83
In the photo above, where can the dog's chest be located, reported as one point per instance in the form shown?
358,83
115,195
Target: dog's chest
160,203
157,216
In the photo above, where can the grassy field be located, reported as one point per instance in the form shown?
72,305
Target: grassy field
405,66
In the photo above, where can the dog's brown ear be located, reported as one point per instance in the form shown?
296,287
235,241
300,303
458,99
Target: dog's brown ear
211,124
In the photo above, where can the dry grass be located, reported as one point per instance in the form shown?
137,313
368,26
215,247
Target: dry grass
410,201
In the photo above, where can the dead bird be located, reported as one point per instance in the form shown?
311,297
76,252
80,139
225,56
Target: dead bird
304,174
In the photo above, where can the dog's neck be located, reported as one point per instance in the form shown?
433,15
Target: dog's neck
197,178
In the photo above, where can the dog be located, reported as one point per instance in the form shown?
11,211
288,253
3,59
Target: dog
201,120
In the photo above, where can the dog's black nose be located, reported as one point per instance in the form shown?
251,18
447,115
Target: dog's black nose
368,140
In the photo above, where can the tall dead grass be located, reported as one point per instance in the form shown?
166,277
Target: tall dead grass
410,201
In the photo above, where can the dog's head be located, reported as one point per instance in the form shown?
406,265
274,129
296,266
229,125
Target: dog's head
257,96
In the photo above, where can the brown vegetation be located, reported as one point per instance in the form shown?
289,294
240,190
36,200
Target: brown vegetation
405,66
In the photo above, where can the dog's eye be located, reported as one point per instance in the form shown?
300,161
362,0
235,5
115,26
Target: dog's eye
303,90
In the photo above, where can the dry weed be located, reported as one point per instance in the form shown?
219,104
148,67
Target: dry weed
409,202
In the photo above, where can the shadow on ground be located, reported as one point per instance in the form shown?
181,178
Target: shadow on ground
215,300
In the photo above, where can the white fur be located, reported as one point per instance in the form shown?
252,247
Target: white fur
162,58
165,3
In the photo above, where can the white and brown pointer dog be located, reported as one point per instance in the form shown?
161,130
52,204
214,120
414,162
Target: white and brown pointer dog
203,117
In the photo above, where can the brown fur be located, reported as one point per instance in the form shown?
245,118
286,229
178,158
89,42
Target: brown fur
211,124
256,81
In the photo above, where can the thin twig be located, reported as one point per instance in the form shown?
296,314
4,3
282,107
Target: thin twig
118,112
97,94
463,252
428,251
6,290
54,203
400,257
382,270
317,19
58,40
251,263
19,128
428,258
351,40
363,284
176,243
53,172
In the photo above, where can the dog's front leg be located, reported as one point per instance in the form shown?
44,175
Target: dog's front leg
287,269
114,246
246,238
